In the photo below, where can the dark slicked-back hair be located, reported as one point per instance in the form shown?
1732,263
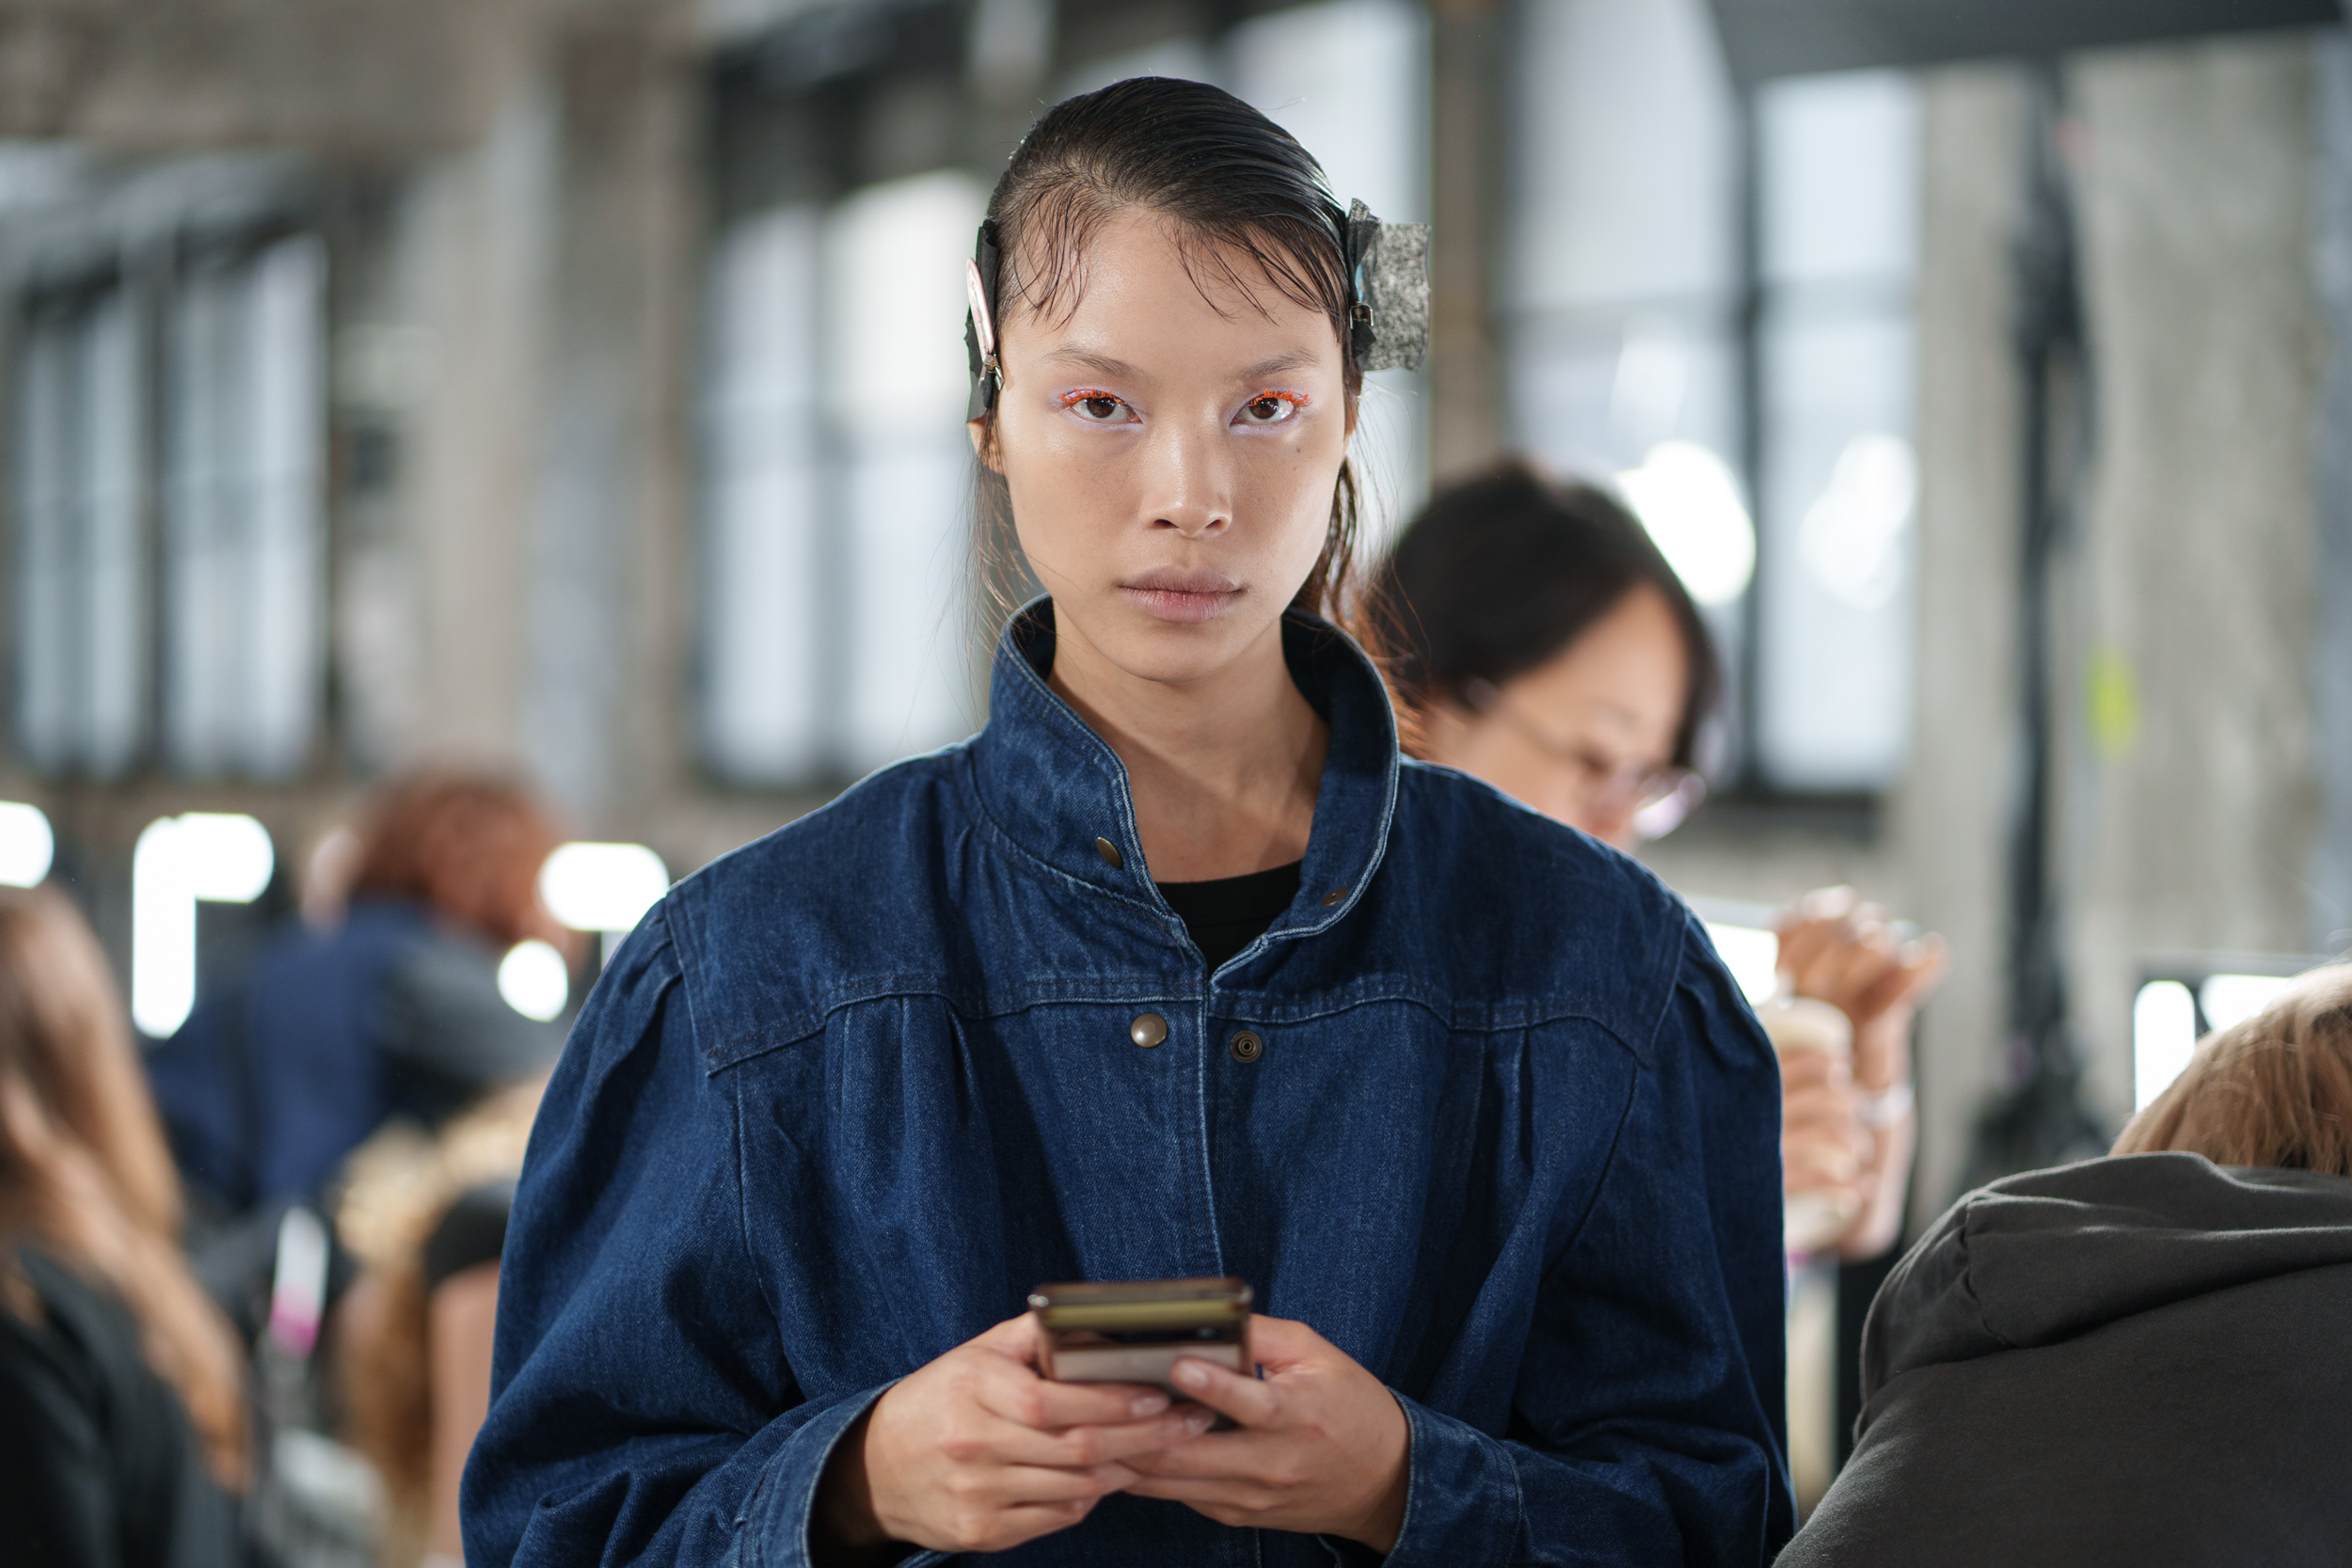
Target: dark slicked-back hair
1503,572
1247,206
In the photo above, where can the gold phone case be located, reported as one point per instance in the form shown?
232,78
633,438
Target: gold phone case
1133,1331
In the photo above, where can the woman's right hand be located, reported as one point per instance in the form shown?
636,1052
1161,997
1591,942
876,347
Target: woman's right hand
975,1452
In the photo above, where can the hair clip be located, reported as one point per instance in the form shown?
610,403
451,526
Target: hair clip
1388,276
980,323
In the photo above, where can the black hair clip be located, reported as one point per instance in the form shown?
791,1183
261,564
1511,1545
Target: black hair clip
1388,280
979,322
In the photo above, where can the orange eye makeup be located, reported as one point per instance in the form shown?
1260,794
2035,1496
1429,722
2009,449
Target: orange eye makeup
1079,396
1293,403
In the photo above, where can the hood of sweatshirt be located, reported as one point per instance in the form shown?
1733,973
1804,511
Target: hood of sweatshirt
2044,1257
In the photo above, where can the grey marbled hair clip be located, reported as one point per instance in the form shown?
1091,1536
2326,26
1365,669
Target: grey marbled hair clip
1388,274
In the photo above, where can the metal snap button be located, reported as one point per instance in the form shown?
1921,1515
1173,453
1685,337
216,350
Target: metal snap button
1331,899
1246,1048
1148,1030
1110,852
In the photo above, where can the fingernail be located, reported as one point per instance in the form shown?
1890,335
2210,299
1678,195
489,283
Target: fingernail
1192,1374
1149,1404
1200,1421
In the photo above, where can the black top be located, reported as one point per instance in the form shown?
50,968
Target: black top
2139,1359
471,1233
1226,915
98,1467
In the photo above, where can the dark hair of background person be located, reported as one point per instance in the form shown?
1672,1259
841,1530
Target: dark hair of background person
468,845
1502,572
85,1174
1247,206
2274,1090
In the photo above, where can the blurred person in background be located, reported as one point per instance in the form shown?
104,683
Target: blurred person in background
122,1410
427,1219
393,1011
2144,1358
1541,643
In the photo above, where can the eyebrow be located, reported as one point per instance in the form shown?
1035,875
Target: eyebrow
1103,364
1296,359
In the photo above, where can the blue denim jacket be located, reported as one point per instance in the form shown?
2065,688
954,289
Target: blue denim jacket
848,1093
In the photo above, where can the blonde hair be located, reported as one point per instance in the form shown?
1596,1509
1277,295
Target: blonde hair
2273,1090
85,1172
399,1184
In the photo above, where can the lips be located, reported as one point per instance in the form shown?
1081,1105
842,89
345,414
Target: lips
1182,593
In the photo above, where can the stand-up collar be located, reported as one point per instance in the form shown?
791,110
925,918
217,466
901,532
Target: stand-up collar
1054,787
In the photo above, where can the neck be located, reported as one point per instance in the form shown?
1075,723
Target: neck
1224,768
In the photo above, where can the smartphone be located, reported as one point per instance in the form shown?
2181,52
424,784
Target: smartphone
1133,1331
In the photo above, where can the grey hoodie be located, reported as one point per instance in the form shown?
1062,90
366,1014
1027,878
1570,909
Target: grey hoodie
2145,1359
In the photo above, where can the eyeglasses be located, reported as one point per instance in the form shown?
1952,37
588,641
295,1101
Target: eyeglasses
1658,799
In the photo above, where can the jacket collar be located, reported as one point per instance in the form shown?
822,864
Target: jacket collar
1052,787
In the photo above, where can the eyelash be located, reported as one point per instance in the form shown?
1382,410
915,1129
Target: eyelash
1091,394
1298,401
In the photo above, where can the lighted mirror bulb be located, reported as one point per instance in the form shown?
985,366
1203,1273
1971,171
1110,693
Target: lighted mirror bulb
26,844
602,887
1690,503
216,856
534,980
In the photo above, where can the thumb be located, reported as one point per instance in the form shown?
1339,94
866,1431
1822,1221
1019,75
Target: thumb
1275,1343
1015,1337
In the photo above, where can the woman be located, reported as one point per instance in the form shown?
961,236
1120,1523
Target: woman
393,1011
1492,1158
2146,1358
1543,644
121,1385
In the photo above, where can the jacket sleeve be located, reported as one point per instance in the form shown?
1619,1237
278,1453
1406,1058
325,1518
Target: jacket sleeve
1648,1424
642,1410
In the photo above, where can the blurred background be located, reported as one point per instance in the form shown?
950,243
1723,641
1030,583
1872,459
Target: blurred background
574,385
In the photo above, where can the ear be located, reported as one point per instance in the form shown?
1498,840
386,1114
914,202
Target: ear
982,448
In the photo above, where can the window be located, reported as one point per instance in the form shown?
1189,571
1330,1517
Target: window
243,563
1620,298
1630,358
224,449
1837,211
82,591
837,483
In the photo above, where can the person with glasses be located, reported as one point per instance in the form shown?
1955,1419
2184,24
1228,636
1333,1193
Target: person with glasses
1540,643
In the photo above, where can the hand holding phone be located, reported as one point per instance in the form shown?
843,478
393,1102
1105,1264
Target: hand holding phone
1133,1331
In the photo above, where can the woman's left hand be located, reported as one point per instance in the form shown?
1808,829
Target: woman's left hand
1321,1447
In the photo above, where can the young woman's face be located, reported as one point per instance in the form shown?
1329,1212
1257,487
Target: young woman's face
1171,454
1587,736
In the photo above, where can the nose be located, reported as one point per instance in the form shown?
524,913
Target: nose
1191,479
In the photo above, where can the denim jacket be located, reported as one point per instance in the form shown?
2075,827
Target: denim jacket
848,1094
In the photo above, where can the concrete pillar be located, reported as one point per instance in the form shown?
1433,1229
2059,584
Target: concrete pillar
2189,792
1467,158
608,549
479,231
2332,664
1945,826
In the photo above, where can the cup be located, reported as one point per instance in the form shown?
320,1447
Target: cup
1813,1219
